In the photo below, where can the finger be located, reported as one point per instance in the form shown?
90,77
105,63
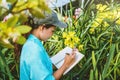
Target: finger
75,49
73,55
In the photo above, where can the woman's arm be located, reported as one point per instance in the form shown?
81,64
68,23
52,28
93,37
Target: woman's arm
69,59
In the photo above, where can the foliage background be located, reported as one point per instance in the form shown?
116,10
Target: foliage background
96,33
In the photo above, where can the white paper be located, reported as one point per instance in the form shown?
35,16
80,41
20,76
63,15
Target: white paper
58,59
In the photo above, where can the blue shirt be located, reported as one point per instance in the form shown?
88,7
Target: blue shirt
35,63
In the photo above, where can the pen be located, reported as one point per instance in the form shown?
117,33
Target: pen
62,59
67,53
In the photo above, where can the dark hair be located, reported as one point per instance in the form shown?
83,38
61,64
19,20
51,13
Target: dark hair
31,23
47,25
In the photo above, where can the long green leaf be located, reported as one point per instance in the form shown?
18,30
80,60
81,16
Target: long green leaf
116,65
94,66
91,75
23,29
109,58
93,60
8,45
11,22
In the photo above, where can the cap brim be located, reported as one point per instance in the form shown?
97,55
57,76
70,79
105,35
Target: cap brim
60,24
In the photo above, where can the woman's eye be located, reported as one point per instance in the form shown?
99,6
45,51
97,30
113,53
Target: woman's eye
53,31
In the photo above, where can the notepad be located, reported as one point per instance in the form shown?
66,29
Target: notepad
58,59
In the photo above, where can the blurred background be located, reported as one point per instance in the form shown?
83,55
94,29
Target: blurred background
93,27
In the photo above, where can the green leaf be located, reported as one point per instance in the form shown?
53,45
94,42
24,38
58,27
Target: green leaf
23,29
3,26
11,22
91,75
11,1
96,74
22,18
7,45
42,5
102,34
19,7
21,40
109,58
117,28
0,11
37,12
20,3
93,60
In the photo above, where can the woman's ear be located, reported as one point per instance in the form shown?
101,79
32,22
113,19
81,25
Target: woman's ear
41,28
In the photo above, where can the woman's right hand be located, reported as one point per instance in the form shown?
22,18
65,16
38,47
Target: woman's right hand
70,58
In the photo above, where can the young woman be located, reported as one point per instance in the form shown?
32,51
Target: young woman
35,63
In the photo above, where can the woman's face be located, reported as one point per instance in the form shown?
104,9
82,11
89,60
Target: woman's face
45,33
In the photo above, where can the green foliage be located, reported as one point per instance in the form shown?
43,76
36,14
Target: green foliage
110,57
19,10
8,45
11,1
97,27
12,30
12,21
23,29
91,75
36,10
5,70
98,30
21,40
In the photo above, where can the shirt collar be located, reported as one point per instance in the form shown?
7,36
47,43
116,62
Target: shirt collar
34,38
